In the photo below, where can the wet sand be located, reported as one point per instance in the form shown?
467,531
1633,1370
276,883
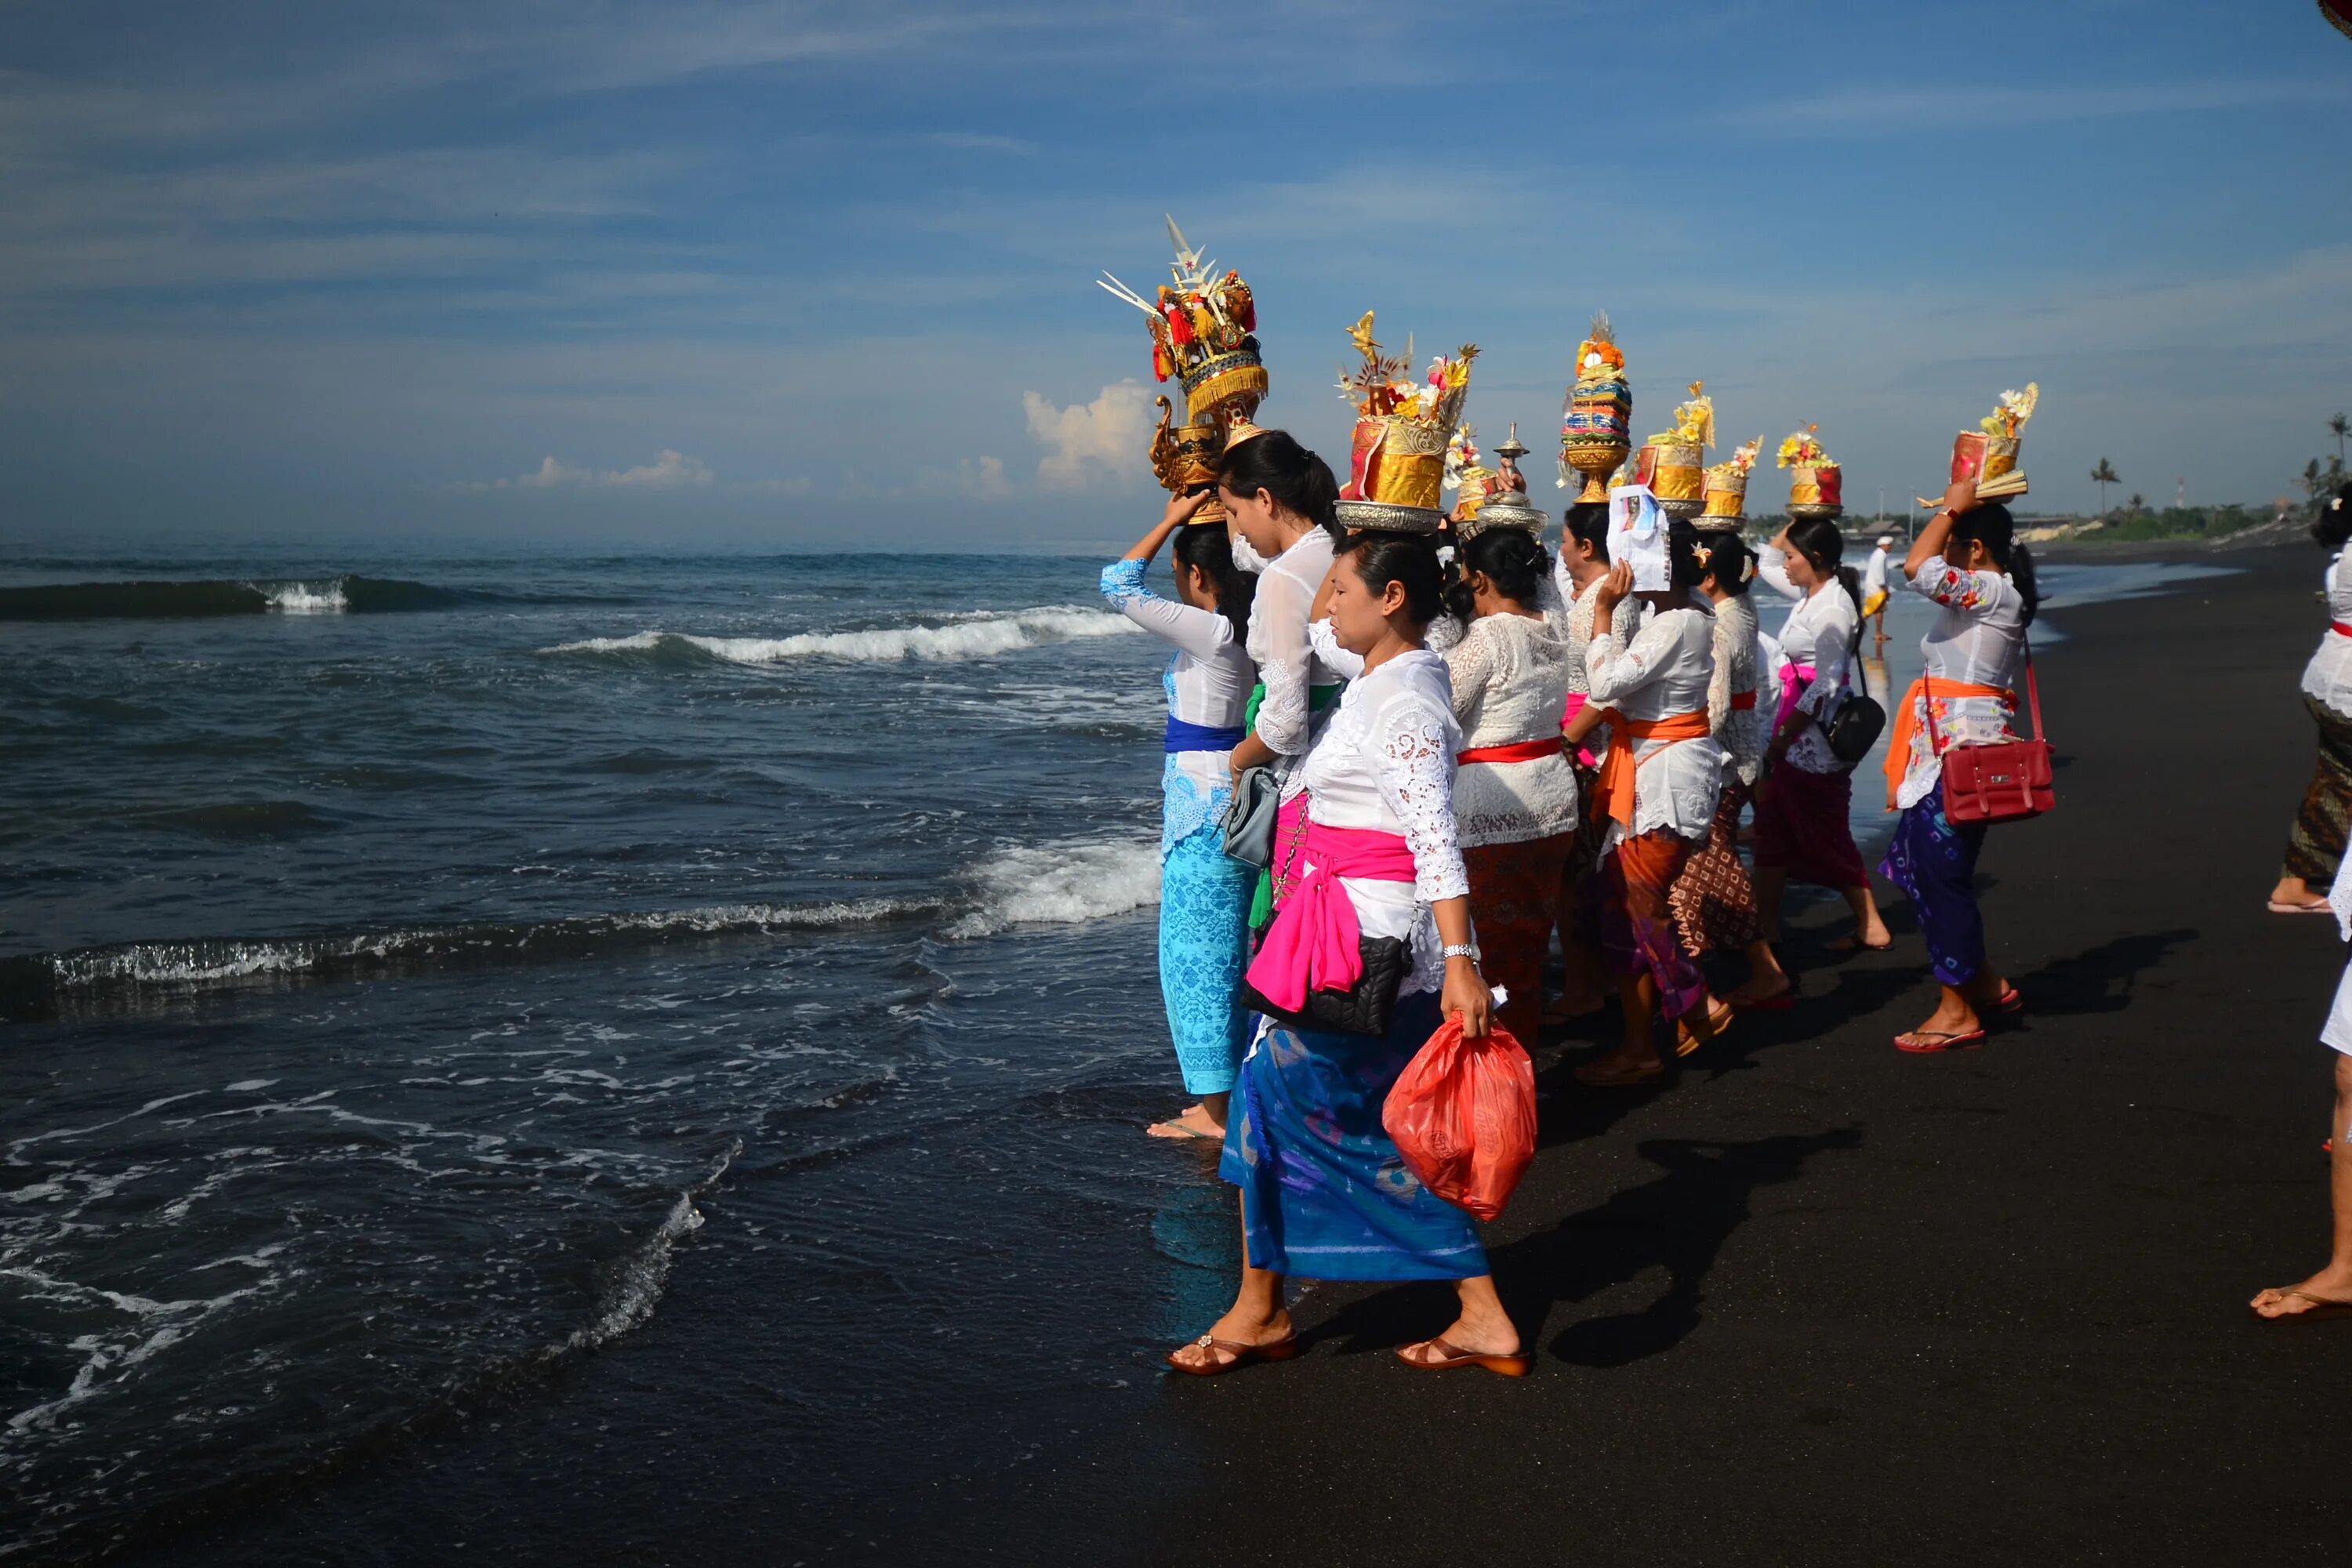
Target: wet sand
1815,1302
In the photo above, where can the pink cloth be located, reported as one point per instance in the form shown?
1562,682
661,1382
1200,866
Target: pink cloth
1312,944
1568,712
1794,678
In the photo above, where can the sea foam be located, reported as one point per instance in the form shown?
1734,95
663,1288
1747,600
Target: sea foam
968,636
1061,884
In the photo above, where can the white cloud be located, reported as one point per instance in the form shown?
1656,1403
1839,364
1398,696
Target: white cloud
981,479
670,470
1107,438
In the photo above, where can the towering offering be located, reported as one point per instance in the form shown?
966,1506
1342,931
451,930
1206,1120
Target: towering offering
1597,421
1504,503
1203,333
1988,454
1470,480
1726,486
1396,461
1672,465
1816,484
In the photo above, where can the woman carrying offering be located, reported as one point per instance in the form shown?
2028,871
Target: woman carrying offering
1967,560
1204,896
1714,902
1280,496
1515,796
1323,1192
1659,786
1583,562
2315,844
1802,831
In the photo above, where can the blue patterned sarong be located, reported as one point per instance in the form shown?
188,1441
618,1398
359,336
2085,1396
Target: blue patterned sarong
1325,1195
1204,944
1934,863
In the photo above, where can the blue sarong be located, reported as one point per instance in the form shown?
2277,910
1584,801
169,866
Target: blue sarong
1325,1195
1204,899
1934,862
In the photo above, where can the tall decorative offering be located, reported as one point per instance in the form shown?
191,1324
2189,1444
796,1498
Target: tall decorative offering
1727,487
1470,480
1816,483
1396,459
1203,333
1988,453
1504,503
1672,466
1597,421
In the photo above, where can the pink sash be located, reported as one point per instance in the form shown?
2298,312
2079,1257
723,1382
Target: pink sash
1568,710
1312,943
1791,689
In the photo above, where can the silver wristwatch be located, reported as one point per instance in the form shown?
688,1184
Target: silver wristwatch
1468,949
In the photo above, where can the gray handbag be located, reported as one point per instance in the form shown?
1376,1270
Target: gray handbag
1249,817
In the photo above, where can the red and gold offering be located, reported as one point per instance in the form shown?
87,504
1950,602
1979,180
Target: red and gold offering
1672,466
1816,484
1597,420
1988,453
1396,459
1726,485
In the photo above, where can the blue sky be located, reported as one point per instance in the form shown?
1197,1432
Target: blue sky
792,273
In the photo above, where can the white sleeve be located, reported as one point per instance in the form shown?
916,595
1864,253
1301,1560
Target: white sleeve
1413,759
1832,651
1247,559
1278,639
1337,660
1442,635
1613,668
1471,664
1201,633
1771,565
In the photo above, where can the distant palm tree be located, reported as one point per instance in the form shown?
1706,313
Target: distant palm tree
2102,476
2339,427
2312,482
2137,505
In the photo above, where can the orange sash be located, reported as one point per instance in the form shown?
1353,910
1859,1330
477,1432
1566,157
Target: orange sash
1906,722
1615,788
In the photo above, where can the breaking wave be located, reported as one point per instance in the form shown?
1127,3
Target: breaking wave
967,637
348,593
1061,884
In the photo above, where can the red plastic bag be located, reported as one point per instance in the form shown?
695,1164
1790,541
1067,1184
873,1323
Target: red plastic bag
1463,1113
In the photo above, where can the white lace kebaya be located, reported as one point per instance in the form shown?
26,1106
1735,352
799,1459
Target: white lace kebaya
2328,677
1208,683
1821,632
1978,640
1742,732
1665,671
1385,764
1510,680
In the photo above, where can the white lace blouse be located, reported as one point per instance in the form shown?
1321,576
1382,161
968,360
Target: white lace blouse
1208,683
2328,675
1665,671
1277,643
1510,679
1821,632
1978,638
1385,764
1742,732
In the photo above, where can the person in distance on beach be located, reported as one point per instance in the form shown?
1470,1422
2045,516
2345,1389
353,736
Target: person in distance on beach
1967,559
1323,1192
1659,787
1874,586
2315,844
1582,563
2328,1293
1204,896
1281,497
1713,901
1515,796
1802,833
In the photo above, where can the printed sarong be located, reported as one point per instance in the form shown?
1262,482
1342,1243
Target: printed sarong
1934,863
1713,901
1325,1195
1514,897
2314,846
1636,922
1801,828
1203,943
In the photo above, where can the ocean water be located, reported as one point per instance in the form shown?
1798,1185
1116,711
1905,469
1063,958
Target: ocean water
424,976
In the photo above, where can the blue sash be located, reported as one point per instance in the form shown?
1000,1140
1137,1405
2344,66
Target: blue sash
1184,736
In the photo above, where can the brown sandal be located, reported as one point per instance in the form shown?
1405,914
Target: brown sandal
1238,1354
1719,1018
1451,1355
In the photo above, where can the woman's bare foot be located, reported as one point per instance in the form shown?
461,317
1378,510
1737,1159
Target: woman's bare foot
1193,1122
2295,893
1872,938
2329,1292
1621,1068
1483,1329
1237,1327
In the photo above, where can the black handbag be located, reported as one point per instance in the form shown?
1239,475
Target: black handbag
1854,728
1364,1008
1249,818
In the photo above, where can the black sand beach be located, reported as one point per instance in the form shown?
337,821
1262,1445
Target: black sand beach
1816,1302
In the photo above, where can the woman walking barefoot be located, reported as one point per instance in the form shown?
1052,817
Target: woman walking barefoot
1204,896
1967,560
1659,786
1804,801
1280,496
1582,563
1713,901
2328,1293
2314,846
1323,1192
1515,797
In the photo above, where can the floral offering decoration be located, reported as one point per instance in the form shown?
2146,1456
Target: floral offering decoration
1743,456
2008,416
1379,387
1694,421
1802,450
1198,317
